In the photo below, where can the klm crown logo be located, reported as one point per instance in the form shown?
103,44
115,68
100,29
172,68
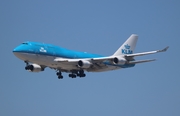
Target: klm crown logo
42,50
127,49
127,46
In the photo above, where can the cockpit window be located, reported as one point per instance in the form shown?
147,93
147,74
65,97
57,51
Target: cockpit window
25,43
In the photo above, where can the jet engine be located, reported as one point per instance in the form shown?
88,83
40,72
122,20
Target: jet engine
34,68
84,64
119,60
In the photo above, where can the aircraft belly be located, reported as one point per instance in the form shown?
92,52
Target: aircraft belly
48,61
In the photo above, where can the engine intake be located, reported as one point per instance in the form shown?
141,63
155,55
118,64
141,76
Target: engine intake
34,68
84,64
120,61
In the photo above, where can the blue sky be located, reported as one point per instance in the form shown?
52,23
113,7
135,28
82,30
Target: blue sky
96,26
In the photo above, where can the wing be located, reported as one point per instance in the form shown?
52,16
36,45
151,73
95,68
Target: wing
88,64
92,60
146,53
104,62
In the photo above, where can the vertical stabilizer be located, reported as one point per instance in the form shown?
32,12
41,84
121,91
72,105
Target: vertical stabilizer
128,46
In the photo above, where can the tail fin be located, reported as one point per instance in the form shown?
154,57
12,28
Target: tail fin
128,46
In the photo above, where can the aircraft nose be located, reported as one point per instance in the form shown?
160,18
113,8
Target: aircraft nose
19,48
16,49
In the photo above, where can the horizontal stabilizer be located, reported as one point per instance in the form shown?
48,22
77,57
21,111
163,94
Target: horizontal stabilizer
141,61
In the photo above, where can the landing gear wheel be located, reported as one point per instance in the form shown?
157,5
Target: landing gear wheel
59,74
81,73
60,77
72,75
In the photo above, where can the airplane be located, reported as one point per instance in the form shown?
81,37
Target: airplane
38,56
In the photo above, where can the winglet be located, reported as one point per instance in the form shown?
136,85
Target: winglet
163,50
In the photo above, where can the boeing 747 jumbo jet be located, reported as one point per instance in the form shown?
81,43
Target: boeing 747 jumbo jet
38,56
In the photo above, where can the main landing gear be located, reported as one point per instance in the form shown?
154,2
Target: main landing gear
73,74
59,74
81,73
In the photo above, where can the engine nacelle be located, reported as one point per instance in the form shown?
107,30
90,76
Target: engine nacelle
84,64
34,68
119,60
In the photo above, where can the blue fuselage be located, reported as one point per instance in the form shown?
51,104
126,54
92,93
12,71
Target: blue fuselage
51,50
